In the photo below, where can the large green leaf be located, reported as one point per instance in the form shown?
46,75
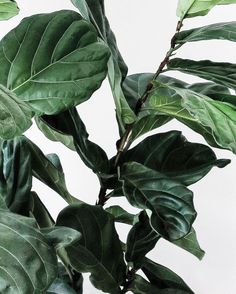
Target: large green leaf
70,124
215,120
192,8
15,115
121,215
141,239
171,154
17,173
94,11
8,9
170,202
222,73
164,278
53,61
28,262
98,251
190,244
217,31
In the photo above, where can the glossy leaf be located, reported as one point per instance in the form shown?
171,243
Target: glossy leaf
24,273
15,115
170,202
121,215
222,73
141,239
164,278
70,124
59,287
99,249
171,154
217,31
94,11
44,61
190,244
8,9
214,120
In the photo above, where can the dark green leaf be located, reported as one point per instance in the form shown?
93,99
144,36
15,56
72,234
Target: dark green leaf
60,287
99,249
15,115
53,61
8,9
171,154
164,278
141,286
222,73
20,272
216,31
69,123
94,11
141,239
170,202
214,120
121,215
190,244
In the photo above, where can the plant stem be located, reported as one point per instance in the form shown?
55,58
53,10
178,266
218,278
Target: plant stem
125,142
102,196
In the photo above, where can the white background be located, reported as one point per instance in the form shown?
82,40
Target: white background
143,30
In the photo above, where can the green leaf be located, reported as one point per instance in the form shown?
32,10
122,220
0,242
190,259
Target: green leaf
214,120
98,251
141,286
170,202
20,272
121,215
54,135
94,11
69,123
164,278
190,244
141,239
217,31
8,9
59,286
15,115
171,154
222,73
45,59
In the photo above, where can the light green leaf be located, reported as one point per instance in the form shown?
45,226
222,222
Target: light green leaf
94,11
215,120
190,244
20,272
216,31
121,215
141,239
170,202
98,251
53,61
164,278
15,115
8,9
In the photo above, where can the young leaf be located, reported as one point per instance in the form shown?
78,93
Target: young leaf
141,239
163,278
94,11
70,124
121,215
170,202
24,273
98,251
217,31
171,154
190,244
44,61
222,73
214,120
15,115
8,9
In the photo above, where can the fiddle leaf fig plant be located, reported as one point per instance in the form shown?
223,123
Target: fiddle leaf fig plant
50,64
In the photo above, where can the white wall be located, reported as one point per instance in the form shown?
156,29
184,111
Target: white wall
143,30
